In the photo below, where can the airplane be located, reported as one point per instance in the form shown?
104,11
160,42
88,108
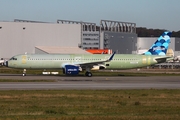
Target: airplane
72,64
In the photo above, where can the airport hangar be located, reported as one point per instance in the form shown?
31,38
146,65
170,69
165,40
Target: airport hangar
64,36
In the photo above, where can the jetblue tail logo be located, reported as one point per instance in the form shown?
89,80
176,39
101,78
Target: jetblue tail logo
160,47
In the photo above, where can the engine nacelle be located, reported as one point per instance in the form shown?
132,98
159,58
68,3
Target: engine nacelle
98,67
71,70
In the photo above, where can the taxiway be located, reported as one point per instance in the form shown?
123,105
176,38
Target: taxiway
81,82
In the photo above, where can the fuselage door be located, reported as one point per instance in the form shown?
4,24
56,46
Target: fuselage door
144,60
149,60
24,58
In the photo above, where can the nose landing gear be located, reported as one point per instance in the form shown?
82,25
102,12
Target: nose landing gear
24,73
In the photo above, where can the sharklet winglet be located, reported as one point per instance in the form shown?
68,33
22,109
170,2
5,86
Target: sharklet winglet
111,57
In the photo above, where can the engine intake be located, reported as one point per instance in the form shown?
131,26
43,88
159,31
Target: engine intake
71,70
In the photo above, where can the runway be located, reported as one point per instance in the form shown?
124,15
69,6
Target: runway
94,83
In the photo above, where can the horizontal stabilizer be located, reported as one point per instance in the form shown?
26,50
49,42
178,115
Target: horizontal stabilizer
163,59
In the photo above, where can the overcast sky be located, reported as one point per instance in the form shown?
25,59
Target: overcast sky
156,14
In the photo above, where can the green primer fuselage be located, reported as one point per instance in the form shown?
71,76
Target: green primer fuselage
57,61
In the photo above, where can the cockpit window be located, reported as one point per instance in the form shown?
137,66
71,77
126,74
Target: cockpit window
13,58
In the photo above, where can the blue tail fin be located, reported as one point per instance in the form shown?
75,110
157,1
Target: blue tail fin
160,47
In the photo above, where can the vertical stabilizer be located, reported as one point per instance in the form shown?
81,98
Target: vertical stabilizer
161,45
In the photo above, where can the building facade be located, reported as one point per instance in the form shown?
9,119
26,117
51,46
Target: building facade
22,36
118,36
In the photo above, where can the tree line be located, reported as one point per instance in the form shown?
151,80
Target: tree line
144,32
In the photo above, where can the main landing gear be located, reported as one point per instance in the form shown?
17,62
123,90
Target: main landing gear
89,74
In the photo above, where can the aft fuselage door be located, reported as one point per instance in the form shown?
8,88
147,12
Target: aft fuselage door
146,60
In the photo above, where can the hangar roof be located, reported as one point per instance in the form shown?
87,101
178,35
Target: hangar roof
61,50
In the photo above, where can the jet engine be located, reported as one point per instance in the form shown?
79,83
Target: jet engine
71,70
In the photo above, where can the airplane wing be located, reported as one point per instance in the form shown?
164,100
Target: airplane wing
91,64
76,67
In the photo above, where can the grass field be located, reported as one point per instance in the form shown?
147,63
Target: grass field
90,104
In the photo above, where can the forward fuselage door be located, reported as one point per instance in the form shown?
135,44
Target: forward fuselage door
24,59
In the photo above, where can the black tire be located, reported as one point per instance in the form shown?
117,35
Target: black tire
89,74
86,74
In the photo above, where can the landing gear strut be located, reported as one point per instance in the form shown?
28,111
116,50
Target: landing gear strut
24,73
89,74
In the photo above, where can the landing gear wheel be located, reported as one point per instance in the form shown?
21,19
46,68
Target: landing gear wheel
23,74
89,74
